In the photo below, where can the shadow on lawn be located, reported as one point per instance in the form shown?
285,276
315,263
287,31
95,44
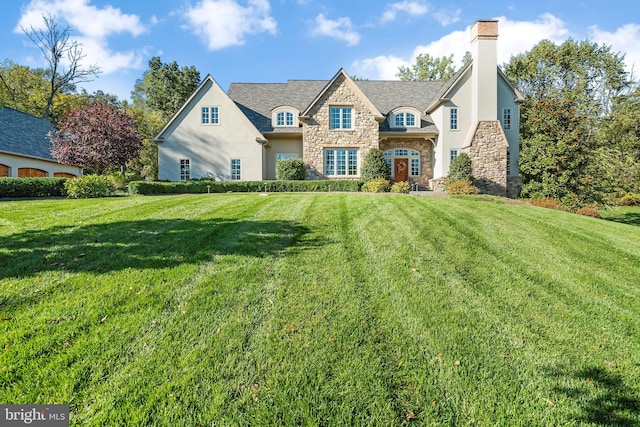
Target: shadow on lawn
604,397
631,218
146,244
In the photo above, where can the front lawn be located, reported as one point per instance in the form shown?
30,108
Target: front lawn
319,309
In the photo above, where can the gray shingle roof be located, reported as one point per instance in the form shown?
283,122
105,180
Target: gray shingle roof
257,100
22,133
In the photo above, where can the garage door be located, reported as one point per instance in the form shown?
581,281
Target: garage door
31,173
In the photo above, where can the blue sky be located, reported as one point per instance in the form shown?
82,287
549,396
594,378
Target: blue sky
276,40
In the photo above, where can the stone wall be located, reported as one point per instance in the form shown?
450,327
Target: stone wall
426,156
488,153
316,132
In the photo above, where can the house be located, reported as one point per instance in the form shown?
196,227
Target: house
25,150
420,126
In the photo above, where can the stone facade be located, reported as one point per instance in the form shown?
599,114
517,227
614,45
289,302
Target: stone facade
317,134
488,153
426,156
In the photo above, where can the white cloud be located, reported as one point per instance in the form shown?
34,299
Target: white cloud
340,29
625,39
515,37
94,25
224,23
447,17
412,8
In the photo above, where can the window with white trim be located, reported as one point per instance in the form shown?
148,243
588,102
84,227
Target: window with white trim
341,117
209,115
506,118
185,169
340,162
453,154
453,119
236,172
284,118
284,156
508,162
405,119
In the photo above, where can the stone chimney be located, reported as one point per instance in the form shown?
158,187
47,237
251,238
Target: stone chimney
484,98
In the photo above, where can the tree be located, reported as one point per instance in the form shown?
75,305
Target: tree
460,169
97,136
57,50
374,166
23,88
568,88
556,153
428,68
165,87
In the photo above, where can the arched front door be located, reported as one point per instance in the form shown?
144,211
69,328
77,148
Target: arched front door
401,169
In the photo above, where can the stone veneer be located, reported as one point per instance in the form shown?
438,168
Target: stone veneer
488,153
426,156
316,132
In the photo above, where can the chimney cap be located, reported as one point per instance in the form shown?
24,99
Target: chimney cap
484,29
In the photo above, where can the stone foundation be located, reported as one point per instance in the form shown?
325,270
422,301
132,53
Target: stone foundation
437,184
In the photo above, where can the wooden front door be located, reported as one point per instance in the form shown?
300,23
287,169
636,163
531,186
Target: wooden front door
401,170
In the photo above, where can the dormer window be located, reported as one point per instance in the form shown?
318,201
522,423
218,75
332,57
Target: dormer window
404,118
284,116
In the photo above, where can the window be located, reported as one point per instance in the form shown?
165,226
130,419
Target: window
341,117
415,167
283,156
284,118
454,119
506,118
340,161
210,116
185,167
235,170
508,163
405,119
453,154
401,152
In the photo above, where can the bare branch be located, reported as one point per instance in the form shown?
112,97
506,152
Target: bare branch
63,57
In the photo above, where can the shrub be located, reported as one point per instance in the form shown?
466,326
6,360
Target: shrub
290,169
32,187
461,187
379,185
460,169
629,199
548,203
200,186
374,166
589,211
121,181
90,186
401,187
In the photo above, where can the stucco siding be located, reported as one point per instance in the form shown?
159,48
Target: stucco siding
281,146
506,99
210,147
15,162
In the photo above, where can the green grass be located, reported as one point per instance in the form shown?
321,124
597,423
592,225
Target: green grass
319,309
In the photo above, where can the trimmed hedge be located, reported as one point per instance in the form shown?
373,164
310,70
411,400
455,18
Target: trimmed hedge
181,187
90,186
32,187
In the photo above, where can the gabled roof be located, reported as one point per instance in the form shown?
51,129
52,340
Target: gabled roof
24,134
257,100
200,88
342,73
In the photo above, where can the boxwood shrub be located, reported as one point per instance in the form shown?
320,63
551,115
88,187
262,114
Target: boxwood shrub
207,186
290,169
90,186
32,187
